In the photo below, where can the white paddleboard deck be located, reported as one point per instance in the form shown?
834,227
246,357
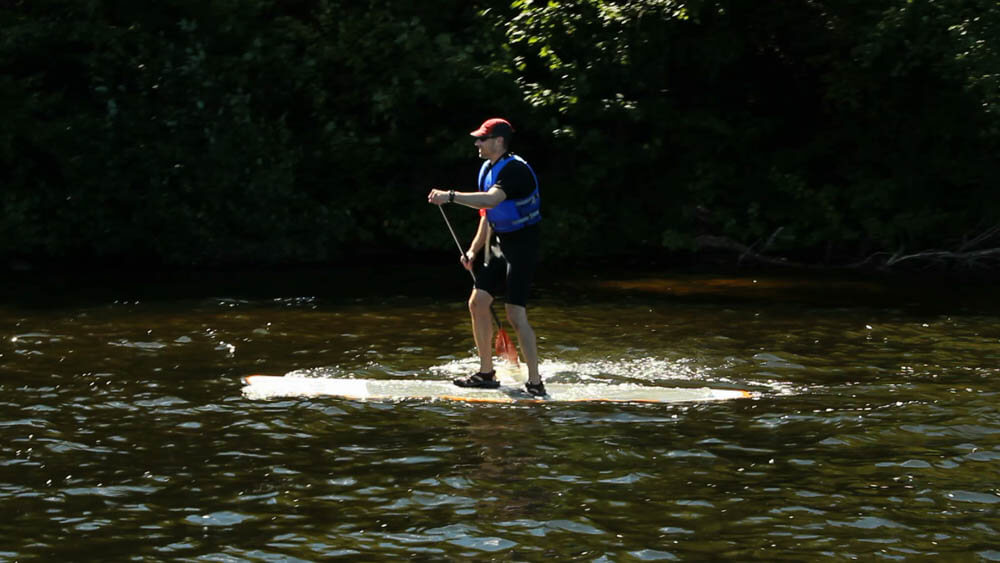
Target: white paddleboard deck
269,387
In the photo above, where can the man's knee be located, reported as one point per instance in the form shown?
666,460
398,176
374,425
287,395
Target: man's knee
480,301
517,316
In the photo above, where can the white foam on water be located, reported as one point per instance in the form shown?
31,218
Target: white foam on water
371,370
635,370
610,370
323,371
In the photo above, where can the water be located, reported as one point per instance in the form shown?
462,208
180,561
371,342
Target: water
875,434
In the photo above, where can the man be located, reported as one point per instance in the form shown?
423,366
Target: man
509,205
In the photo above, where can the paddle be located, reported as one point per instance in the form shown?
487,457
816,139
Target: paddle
504,347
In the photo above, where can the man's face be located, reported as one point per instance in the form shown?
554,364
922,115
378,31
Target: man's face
489,147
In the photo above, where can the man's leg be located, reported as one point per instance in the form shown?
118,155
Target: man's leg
518,317
482,327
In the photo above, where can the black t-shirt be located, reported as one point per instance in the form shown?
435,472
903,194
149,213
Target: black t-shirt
516,180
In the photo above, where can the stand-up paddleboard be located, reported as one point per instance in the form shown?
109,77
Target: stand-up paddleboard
269,386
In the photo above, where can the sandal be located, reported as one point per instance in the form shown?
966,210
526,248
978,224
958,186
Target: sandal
479,380
536,389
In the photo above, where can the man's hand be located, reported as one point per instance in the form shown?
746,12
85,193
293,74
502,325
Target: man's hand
467,259
438,197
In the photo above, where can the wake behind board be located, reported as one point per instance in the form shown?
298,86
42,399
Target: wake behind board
269,386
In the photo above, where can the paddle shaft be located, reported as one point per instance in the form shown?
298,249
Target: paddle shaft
454,237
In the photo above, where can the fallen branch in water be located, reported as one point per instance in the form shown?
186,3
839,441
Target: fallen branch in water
767,244
745,252
970,259
962,258
980,239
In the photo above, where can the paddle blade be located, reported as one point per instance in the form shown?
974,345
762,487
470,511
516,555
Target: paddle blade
505,348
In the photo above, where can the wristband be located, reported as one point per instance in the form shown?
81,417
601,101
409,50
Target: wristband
451,196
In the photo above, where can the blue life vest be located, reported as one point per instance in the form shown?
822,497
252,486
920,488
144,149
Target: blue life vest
510,215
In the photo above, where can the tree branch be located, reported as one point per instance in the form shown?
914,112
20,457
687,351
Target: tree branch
726,243
967,259
983,237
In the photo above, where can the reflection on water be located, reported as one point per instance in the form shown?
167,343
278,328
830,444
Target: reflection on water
875,434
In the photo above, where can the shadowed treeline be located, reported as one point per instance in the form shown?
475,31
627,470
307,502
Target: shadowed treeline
220,132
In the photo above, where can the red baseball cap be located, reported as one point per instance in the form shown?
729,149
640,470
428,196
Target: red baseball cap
494,127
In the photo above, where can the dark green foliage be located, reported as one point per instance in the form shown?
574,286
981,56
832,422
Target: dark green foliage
848,126
224,131
214,132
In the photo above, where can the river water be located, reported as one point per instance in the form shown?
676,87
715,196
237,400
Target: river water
874,431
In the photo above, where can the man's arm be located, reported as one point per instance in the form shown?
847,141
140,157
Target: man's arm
478,242
476,200
481,200
482,233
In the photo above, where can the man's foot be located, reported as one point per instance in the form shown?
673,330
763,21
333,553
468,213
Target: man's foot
536,389
480,380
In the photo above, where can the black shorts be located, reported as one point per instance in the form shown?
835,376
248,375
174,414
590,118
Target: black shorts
514,269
